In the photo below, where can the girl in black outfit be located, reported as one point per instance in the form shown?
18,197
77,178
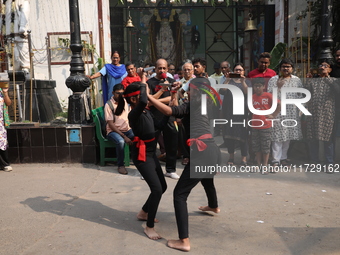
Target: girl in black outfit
143,151
206,154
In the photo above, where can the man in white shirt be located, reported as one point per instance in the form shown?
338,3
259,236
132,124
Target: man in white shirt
118,129
218,72
200,65
188,74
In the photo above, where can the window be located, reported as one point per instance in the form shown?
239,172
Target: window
60,52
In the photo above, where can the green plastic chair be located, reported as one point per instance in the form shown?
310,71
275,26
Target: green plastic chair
99,120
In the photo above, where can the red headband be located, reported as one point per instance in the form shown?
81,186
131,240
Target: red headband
132,94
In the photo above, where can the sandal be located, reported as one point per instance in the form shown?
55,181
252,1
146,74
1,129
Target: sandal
285,162
230,162
275,164
243,163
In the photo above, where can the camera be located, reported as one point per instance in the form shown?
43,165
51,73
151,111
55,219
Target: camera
234,75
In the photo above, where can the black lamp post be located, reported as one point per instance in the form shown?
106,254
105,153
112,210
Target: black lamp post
78,103
326,31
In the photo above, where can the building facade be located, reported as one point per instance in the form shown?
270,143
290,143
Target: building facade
171,29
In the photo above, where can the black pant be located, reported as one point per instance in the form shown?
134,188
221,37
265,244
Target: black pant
3,159
161,143
181,193
152,173
231,143
170,136
182,141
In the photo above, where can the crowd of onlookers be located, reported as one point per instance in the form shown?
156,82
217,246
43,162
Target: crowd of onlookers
149,105
264,139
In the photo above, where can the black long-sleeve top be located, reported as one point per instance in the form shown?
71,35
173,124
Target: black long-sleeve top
194,122
141,120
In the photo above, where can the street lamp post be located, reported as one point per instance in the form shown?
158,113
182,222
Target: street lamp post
326,31
78,104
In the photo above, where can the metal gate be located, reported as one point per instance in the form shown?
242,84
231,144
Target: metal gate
220,36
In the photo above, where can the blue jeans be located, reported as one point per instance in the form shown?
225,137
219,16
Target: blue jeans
328,147
119,141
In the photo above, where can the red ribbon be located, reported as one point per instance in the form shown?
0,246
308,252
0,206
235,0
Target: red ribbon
132,94
158,88
142,148
201,146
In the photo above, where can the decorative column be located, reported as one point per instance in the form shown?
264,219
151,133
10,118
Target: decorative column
326,31
79,111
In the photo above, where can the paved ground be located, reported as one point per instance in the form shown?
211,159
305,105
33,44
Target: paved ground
86,209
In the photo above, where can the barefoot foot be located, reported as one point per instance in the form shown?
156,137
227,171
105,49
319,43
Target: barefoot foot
144,216
151,233
181,244
209,209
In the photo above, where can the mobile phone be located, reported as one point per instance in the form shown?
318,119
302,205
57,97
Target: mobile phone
234,75
147,69
169,85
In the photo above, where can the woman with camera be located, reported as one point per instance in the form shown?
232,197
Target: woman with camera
235,133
